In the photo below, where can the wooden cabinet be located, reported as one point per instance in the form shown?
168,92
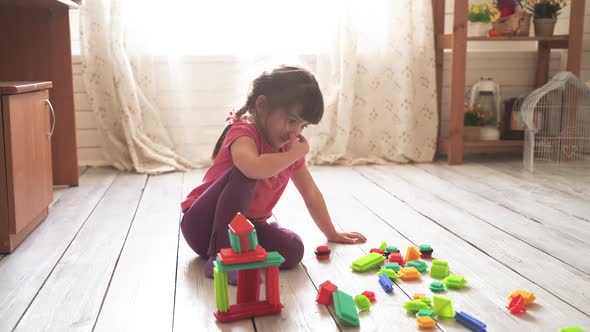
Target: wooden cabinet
26,185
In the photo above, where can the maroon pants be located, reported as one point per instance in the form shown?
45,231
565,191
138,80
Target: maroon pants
205,223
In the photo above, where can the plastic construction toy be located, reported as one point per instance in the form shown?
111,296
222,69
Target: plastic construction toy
425,322
425,250
437,286
247,258
426,312
419,265
386,283
389,273
517,305
528,297
325,292
389,249
370,295
426,300
377,250
443,307
392,266
382,246
412,254
455,282
345,308
368,262
396,257
322,253
470,322
439,269
362,302
414,306
571,329
417,296
409,273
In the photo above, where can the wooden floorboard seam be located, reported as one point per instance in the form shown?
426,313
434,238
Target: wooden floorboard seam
177,253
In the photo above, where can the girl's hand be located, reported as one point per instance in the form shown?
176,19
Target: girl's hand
347,237
299,146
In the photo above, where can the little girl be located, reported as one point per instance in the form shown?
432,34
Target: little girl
253,160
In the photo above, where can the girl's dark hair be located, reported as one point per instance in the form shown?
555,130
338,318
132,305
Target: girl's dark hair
284,86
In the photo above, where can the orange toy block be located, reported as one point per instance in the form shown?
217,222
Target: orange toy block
412,254
425,322
409,273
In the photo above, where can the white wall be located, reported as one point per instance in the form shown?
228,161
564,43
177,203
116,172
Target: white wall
512,65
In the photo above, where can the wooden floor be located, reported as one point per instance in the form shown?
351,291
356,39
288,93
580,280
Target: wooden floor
110,257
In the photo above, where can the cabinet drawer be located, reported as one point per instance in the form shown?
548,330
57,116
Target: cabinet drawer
26,120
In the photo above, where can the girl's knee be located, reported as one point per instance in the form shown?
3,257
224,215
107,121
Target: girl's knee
293,252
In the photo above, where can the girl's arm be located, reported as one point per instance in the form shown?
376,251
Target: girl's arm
314,200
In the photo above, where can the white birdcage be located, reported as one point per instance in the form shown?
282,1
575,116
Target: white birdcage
557,119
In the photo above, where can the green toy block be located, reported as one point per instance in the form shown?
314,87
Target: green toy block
571,329
426,300
345,308
391,249
439,269
392,266
455,282
362,302
389,273
221,293
419,265
234,241
437,286
368,262
424,247
443,307
383,245
414,306
252,240
273,259
426,312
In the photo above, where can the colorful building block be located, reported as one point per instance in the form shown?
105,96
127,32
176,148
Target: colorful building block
414,306
396,257
345,308
426,312
443,307
252,240
517,305
409,273
362,302
571,329
439,269
322,253
248,294
221,291
240,225
370,295
385,283
425,250
454,282
392,266
228,256
419,265
425,322
528,297
391,249
437,286
382,246
377,250
426,300
417,296
412,254
470,322
389,273
368,262
325,292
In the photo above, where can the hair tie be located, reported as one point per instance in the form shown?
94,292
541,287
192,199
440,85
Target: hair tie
233,117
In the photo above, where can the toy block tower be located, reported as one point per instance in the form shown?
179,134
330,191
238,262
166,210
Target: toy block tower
246,257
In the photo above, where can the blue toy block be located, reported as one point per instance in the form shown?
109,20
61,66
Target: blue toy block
470,322
386,283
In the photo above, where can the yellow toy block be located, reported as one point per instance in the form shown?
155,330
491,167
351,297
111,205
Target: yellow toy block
529,297
409,273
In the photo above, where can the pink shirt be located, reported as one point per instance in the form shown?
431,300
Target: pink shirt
268,191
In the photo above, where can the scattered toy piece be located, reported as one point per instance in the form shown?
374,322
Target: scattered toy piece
528,297
396,257
389,273
345,308
368,262
370,295
443,307
409,273
439,269
391,249
386,283
412,254
325,292
377,250
417,296
437,286
426,300
455,282
322,253
470,322
392,266
426,312
382,246
517,305
425,322
419,265
414,306
362,302
425,250
571,329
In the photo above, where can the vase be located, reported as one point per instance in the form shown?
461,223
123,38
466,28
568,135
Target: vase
489,134
471,133
544,26
477,29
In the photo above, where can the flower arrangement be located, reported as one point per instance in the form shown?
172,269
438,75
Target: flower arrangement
478,116
544,8
483,12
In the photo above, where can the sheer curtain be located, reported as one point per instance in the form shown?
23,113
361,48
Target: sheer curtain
162,77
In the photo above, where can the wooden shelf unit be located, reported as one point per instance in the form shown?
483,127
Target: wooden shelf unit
453,145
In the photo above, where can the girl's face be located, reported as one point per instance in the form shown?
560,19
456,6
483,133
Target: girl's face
281,126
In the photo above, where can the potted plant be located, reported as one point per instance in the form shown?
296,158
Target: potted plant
479,124
545,14
480,17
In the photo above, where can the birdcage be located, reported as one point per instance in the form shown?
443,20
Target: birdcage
557,124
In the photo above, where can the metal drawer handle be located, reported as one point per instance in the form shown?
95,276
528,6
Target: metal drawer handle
52,116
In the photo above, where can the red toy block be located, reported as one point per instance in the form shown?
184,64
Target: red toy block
240,225
370,295
230,257
325,293
248,310
396,257
517,305
248,286
322,253
271,278
377,250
